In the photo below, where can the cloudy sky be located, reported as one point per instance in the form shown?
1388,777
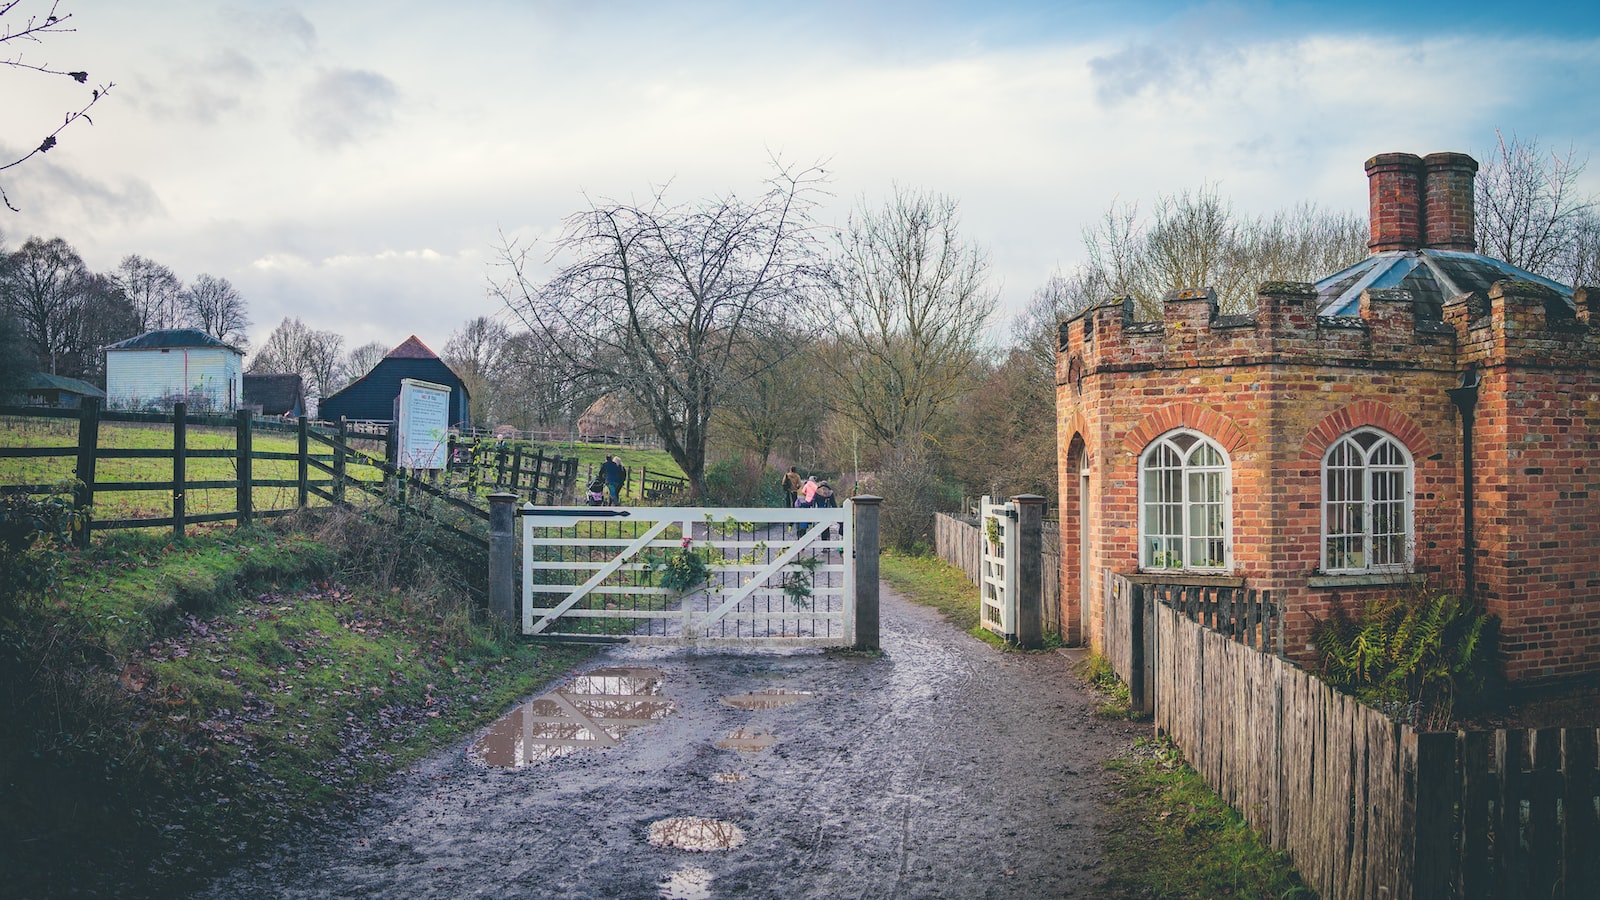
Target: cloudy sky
355,163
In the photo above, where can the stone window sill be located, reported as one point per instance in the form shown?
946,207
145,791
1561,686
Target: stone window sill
1376,579
1190,578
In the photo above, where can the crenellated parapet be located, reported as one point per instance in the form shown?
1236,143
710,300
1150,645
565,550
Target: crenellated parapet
1523,323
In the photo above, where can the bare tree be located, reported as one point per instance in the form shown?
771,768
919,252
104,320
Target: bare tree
779,403
213,305
363,359
911,307
43,286
540,385
294,349
473,353
30,26
156,293
1531,211
660,301
1197,241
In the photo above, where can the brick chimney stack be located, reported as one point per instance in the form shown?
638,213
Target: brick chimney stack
1448,221
1422,202
1395,186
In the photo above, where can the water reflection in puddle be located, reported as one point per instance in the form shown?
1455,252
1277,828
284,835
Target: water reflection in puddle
594,711
768,699
728,777
747,740
688,883
695,833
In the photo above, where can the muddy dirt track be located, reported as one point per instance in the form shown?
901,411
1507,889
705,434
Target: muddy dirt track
945,768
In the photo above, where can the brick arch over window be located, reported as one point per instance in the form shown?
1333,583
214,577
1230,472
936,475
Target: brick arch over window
1203,419
1365,413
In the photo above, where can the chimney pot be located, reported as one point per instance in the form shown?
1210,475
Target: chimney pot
1395,189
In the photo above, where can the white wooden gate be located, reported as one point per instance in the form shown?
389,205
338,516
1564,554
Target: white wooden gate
997,576
775,577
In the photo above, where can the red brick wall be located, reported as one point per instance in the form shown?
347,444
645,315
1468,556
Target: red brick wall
1276,388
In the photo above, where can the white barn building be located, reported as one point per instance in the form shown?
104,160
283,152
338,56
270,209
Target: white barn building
159,368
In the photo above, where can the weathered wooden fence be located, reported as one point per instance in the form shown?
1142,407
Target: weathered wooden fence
331,473
1366,807
957,541
546,478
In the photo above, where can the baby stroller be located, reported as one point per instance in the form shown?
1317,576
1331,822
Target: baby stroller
597,492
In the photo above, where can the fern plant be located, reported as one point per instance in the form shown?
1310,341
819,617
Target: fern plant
1415,656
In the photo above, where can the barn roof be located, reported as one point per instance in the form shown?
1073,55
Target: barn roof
42,381
411,348
169,338
1432,276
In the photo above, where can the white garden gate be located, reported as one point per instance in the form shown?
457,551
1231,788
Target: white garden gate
772,577
997,571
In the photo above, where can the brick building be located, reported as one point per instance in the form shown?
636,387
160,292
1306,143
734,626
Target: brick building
1427,414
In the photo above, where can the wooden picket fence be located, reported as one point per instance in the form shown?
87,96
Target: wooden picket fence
1366,807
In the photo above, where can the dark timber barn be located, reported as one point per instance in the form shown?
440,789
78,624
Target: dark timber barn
371,397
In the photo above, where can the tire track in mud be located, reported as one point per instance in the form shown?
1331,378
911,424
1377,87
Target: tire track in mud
945,768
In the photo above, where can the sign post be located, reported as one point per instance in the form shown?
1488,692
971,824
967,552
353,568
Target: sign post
423,424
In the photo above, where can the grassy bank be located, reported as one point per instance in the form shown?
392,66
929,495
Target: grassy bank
170,707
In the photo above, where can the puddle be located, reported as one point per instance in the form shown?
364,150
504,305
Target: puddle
592,712
688,883
728,777
768,699
695,833
747,740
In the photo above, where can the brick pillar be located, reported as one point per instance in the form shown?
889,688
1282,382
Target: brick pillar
1395,190
1447,202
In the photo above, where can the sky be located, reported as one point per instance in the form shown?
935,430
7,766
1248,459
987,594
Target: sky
357,164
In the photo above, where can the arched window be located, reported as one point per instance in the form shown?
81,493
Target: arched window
1185,507
1366,504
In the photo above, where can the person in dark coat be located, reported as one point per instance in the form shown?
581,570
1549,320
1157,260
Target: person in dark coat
612,473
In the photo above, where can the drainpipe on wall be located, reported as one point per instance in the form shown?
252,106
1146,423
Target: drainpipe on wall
1465,398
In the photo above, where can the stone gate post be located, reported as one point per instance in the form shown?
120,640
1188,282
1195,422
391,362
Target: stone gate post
865,510
1030,571
503,557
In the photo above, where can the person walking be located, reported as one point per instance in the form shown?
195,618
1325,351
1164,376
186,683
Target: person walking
791,487
612,473
824,499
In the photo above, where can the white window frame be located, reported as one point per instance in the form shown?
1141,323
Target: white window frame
1182,509
1371,493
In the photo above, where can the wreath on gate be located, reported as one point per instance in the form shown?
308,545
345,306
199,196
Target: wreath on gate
991,527
683,568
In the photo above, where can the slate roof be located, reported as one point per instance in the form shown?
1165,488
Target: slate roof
170,338
1432,277
41,381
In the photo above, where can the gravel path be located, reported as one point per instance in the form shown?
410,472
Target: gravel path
945,768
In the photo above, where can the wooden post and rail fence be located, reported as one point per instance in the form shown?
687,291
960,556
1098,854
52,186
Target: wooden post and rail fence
327,462
1366,807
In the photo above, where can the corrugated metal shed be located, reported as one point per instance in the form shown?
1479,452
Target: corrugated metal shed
371,397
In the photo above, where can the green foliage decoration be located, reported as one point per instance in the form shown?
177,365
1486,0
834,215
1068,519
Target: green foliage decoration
683,568
1421,656
991,527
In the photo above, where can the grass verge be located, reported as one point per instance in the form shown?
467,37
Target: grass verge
170,707
1173,838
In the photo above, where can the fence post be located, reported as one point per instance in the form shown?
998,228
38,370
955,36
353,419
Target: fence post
1133,600
864,510
304,493
88,446
180,465
502,556
1030,574
242,449
516,469
339,465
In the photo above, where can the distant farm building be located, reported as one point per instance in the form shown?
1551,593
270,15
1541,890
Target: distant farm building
159,368
609,417
275,395
42,389
371,397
